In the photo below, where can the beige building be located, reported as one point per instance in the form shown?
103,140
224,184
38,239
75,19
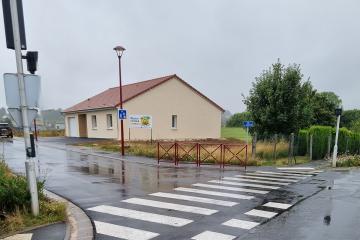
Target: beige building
165,108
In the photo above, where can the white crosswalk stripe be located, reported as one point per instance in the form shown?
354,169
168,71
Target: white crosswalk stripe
243,184
194,199
255,181
266,178
144,216
275,177
207,235
298,177
296,168
237,223
230,188
286,174
173,206
300,173
123,232
277,205
261,213
213,193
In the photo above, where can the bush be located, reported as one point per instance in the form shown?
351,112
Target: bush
14,192
348,161
320,140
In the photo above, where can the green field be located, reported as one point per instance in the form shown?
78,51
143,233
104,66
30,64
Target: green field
234,133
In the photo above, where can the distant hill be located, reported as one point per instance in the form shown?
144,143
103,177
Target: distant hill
50,117
225,117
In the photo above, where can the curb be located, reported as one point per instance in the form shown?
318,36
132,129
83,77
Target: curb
79,226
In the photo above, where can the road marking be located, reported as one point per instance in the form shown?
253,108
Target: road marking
261,213
296,168
220,194
241,224
173,206
230,188
213,235
123,232
266,178
26,236
194,199
243,184
277,205
286,174
291,178
311,173
255,181
144,216
282,175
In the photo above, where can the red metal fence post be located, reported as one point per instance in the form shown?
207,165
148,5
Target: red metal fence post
246,157
158,152
176,154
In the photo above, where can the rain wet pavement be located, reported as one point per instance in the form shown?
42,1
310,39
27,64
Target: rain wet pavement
115,194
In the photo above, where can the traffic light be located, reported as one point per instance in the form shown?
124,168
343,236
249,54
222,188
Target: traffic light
32,59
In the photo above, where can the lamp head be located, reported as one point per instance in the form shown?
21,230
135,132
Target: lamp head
119,50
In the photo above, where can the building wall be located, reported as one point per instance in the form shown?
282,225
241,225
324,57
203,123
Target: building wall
197,118
102,131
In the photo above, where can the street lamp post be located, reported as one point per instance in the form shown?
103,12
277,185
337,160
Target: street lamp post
119,52
338,113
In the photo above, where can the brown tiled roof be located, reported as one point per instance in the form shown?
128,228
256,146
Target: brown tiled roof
110,98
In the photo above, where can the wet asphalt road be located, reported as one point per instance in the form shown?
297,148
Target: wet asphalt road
92,181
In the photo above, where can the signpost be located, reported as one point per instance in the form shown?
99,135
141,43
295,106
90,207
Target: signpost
248,124
18,93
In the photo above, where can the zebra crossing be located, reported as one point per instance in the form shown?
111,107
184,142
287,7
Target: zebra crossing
188,205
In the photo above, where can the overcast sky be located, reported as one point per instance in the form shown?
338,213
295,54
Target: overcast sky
218,46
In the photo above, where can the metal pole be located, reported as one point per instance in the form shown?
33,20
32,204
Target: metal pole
36,135
336,142
247,136
121,106
29,164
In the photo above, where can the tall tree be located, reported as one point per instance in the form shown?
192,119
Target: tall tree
324,104
237,119
280,101
349,117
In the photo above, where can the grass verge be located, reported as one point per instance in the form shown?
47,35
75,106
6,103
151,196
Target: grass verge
15,213
236,133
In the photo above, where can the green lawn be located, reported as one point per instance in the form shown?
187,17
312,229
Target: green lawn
234,133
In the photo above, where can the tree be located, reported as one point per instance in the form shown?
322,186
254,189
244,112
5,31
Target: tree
349,117
280,101
324,105
355,127
237,119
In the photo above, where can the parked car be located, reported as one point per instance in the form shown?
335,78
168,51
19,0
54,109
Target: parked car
5,130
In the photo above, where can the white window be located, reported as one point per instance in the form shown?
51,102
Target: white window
109,121
174,121
93,122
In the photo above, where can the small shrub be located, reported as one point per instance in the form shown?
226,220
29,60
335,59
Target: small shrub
348,161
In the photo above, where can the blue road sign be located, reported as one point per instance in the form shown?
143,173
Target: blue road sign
248,124
122,114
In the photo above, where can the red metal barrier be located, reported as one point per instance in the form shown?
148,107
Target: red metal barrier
208,151
201,152
232,152
187,151
167,151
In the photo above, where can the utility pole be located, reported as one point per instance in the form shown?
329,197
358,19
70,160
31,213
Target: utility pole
29,163
338,113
